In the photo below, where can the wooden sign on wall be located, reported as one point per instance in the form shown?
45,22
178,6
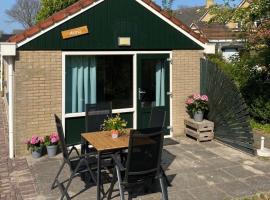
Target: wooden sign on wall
75,32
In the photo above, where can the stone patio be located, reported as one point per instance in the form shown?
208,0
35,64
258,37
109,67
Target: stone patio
197,171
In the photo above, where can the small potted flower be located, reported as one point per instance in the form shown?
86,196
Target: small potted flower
114,124
197,105
51,142
35,146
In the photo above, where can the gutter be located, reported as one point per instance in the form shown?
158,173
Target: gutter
8,52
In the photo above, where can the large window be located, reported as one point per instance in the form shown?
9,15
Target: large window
91,79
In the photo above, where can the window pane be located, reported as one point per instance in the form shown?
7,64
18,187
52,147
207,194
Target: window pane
91,79
114,80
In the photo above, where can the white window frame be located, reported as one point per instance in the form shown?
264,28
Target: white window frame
104,53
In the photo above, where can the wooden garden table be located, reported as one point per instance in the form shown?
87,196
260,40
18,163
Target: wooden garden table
102,141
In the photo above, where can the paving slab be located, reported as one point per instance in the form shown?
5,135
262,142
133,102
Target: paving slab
209,193
239,171
216,176
260,183
236,188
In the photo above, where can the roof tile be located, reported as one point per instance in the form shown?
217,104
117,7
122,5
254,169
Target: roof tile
165,14
74,8
86,3
17,38
155,6
45,24
59,16
147,1
31,31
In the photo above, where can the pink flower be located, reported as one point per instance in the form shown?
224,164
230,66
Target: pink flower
189,101
34,140
54,138
41,139
204,98
196,96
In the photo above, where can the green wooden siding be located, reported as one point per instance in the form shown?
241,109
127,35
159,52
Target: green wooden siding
76,126
108,21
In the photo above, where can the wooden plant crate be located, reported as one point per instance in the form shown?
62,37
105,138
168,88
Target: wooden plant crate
202,131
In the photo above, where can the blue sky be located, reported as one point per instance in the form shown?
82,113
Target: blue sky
7,27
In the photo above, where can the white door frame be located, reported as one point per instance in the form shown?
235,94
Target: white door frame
125,110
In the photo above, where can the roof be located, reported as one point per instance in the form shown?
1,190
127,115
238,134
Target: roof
189,15
4,37
68,12
217,31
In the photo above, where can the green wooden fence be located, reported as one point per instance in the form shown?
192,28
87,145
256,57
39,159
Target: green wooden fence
227,108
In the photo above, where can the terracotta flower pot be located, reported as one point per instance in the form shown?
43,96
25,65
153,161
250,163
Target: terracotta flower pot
115,134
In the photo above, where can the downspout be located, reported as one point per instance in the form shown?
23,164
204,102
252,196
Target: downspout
8,52
10,108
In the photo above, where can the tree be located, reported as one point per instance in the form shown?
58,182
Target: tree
251,70
49,7
24,12
167,5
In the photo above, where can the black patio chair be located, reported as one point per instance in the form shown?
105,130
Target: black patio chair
157,117
95,114
143,163
79,165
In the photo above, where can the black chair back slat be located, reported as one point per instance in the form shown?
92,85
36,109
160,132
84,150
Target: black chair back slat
60,132
95,114
157,117
144,154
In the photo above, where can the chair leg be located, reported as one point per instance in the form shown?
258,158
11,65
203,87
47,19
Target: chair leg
129,196
90,171
163,188
122,197
65,191
165,176
57,175
112,185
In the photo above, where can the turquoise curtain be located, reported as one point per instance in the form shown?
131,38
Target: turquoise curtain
81,71
160,84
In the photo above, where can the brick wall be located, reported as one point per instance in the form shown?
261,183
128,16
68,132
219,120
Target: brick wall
38,95
185,81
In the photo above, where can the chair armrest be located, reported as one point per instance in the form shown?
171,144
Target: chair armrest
118,162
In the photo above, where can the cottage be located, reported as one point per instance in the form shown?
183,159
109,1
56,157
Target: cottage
129,52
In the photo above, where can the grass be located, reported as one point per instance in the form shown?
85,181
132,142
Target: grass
264,128
258,197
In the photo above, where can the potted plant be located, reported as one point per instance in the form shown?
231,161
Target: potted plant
114,124
35,146
51,142
197,105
